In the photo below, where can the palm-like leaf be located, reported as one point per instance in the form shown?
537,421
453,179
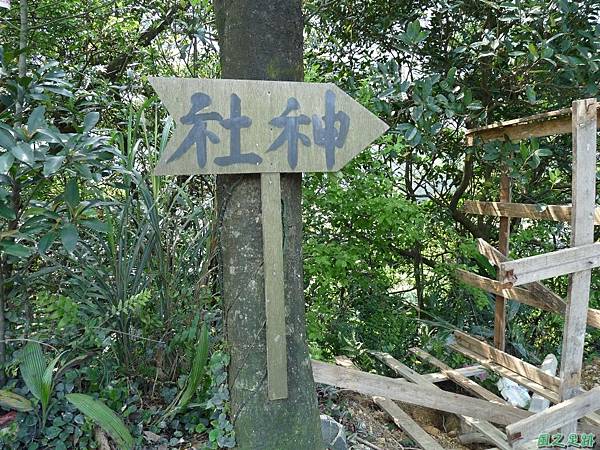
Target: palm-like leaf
10,400
104,417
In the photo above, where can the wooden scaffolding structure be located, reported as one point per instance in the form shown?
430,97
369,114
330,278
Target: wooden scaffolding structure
574,409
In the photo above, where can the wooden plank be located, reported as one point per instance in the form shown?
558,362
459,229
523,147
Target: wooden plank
591,419
243,126
578,258
497,437
557,213
400,369
554,301
415,394
539,403
510,362
407,424
582,224
272,230
460,379
471,371
503,244
554,417
507,373
545,124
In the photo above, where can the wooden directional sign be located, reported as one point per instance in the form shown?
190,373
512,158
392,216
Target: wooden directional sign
267,127
247,126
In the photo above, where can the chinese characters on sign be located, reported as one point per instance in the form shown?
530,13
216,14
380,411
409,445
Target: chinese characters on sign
558,440
330,136
251,126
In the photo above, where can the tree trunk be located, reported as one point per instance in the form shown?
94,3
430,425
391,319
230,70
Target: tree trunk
262,39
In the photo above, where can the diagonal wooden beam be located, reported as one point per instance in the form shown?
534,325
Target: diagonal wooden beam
539,267
510,362
554,417
556,302
415,394
528,295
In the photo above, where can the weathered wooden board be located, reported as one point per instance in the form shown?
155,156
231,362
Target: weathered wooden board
554,417
249,126
459,378
272,230
484,427
471,371
550,394
582,223
503,245
510,362
407,424
538,125
414,394
539,403
554,302
558,213
561,262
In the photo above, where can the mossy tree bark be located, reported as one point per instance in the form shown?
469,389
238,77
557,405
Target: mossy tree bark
263,40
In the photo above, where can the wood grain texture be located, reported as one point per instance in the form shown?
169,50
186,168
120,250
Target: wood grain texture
569,411
584,125
414,394
497,437
471,371
458,378
544,124
503,246
510,362
561,262
274,287
261,101
407,424
557,213
552,300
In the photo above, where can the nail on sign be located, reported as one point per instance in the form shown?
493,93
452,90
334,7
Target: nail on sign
247,126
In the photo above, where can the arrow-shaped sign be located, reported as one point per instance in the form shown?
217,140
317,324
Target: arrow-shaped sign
267,127
248,126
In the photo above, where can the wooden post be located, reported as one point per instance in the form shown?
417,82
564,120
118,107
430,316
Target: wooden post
503,240
272,231
584,123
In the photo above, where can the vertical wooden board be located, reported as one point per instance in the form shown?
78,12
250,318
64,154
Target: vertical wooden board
584,124
274,289
503,240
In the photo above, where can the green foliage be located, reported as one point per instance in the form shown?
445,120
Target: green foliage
104,417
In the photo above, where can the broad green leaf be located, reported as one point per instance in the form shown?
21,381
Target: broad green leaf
46,241
72,193
23,152
36,119
52,164
6,212
96,225
6,139
69,237
6,162
33,365
544,152
10,400
104,417
18,250
90,121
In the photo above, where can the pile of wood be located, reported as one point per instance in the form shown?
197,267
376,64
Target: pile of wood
493,419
